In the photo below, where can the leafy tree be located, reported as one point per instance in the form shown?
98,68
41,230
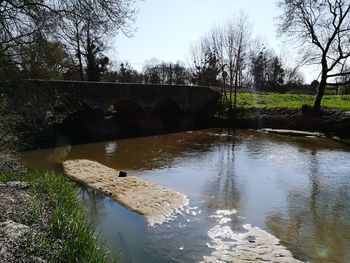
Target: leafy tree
96,62
207,73
322,29
180,74
127,74
258,70
42,59
267,70
275,72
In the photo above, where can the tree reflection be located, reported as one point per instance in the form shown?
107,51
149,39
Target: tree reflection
317,226
92,201
221,192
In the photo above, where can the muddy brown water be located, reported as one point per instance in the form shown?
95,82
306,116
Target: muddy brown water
297,189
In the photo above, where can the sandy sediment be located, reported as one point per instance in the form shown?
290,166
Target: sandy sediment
156,203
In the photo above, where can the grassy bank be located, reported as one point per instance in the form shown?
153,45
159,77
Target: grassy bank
69,237
276,100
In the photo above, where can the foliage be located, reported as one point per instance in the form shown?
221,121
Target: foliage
207,71
127,74
96,62
267,71
43,59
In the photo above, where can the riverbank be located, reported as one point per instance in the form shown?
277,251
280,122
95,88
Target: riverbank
332,122
43,221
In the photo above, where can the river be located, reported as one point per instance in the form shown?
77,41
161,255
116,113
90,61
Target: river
297,189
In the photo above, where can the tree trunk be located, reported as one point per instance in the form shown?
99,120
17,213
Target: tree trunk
231,87
320,92
81,72
235,94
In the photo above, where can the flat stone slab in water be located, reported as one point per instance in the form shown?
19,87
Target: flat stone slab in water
294,132
156,203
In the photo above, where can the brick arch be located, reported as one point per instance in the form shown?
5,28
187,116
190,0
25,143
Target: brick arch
127,115
126,109
169,112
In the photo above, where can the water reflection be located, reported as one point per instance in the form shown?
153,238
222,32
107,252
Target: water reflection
317,226
144,153
221,191
295,188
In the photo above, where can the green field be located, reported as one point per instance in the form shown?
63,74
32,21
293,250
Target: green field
276,100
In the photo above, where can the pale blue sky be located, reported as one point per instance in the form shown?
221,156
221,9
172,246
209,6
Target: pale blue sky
167,28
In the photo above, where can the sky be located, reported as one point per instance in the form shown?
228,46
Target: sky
166,29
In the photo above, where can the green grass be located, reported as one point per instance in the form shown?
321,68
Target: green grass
68,223
70,237
276,100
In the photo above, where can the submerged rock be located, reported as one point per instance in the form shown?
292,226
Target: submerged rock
156,203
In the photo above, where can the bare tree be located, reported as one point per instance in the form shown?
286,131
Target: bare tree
229,45
237,36
20,19
322,27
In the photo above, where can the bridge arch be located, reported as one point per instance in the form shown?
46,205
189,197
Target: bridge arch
169,112
127,115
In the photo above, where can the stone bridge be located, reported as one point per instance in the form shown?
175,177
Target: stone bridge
173,105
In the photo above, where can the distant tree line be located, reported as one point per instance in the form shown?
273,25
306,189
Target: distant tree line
154,72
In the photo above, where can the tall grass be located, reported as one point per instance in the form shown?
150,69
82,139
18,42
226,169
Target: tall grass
70,237
69,230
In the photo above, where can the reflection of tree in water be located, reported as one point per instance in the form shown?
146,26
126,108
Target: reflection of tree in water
318,224
92,201
222,190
